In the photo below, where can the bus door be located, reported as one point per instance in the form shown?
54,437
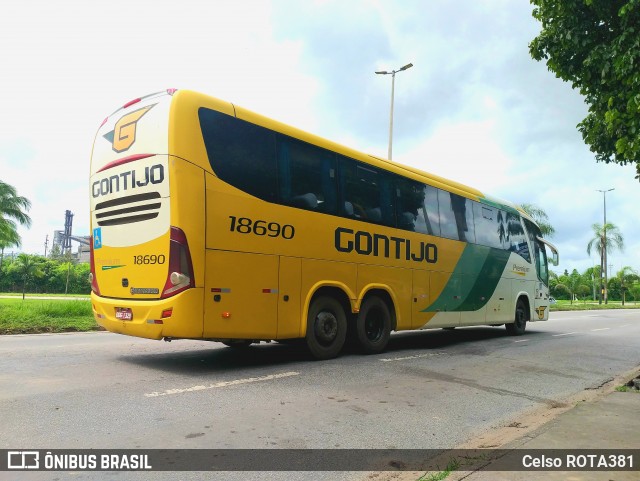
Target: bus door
541,307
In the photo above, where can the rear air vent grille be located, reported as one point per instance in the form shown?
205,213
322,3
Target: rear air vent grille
128,210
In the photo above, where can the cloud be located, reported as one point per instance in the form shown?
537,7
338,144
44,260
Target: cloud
475,107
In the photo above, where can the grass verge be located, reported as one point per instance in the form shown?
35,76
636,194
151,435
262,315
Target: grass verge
33,316
591,306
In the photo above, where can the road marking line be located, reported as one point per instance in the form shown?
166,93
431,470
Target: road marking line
565,334
522,340
601,329
235,382
626,325
417,356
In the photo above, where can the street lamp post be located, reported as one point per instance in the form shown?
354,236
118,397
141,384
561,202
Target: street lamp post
393,81
603,254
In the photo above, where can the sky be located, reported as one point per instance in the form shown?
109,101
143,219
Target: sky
474,108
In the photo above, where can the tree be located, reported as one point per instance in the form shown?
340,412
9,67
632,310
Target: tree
12,210
594,45
609,236
634,290
591,278
573,284
8,238
541,218
28,268
627,276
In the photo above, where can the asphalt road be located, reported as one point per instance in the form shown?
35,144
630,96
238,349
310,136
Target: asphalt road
431,389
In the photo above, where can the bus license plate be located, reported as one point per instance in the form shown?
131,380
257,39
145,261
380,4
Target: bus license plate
124,314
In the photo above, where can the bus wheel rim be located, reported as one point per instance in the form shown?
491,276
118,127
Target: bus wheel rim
326,327
374,326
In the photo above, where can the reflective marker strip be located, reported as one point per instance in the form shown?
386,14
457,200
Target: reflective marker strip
269,291
223,290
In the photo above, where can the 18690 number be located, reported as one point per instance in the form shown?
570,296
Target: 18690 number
149,259
244,225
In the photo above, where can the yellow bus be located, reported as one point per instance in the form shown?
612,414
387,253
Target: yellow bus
212,222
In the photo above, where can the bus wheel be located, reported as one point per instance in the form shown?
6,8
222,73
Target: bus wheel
373,325
517,328
326,327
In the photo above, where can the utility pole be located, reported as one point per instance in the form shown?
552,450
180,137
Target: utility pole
603,254
46,244
393,82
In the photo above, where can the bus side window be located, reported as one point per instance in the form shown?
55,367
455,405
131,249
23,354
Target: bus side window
307,176
448,227
366,192
517,241
488,228
235,148
417,207
463,214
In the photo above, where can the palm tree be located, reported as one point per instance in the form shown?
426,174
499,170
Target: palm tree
8,238
12,210
541,218
28,267
627,277
606,238
573,284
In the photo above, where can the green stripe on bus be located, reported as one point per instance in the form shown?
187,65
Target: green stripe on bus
487,281
473,280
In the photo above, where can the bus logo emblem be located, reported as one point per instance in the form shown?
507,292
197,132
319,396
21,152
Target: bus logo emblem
123,134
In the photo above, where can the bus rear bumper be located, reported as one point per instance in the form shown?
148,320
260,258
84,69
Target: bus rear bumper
180,316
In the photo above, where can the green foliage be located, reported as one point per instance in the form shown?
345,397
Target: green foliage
574,285
27,267
541,218
595,45
452,466
13,210
624,286
611,236
51,278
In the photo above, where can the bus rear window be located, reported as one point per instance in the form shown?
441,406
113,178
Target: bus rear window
242,154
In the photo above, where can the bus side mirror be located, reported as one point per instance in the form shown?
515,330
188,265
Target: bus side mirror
555,258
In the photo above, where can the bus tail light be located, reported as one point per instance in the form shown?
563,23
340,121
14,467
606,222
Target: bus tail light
180,275
92,274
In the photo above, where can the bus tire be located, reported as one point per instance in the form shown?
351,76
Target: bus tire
326,328
373,325
518,327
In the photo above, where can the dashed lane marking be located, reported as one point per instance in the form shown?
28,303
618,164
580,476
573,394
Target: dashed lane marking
222,384
417,356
